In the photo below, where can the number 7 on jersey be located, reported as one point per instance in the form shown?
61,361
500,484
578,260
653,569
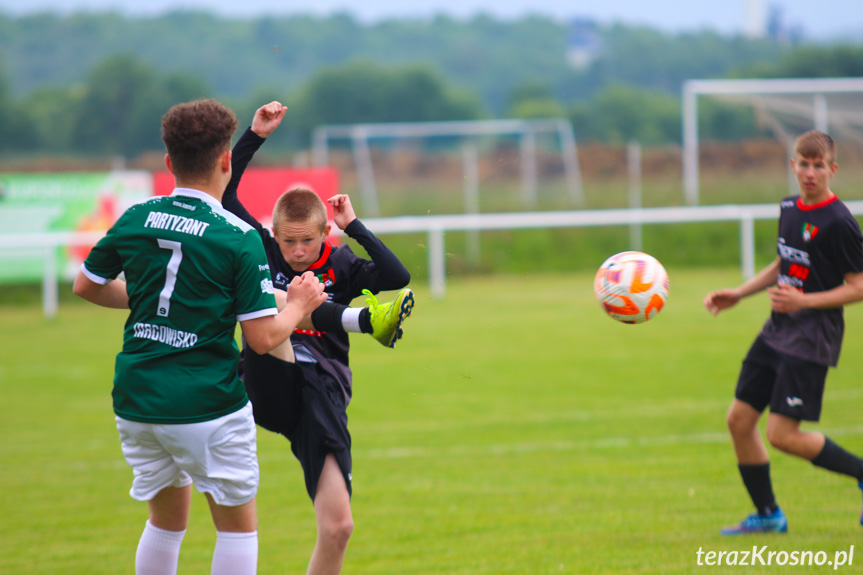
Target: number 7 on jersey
170,275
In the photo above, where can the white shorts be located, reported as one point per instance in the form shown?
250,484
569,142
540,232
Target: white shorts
218,456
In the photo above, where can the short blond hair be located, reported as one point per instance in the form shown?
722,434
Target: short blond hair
300,204
815,144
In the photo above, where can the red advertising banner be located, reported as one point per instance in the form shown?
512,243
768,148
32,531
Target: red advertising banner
261,187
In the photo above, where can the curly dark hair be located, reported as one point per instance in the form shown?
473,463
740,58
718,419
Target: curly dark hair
195,134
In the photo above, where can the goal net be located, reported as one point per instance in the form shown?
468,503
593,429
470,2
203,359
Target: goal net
784,108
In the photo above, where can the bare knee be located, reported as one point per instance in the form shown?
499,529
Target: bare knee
740,423
784,434
337,531
780,439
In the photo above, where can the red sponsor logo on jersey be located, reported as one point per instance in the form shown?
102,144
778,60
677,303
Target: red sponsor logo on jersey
798,271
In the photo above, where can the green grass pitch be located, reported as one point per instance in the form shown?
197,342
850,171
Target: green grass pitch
514,430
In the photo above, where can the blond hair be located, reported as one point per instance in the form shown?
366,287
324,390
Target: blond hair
300,204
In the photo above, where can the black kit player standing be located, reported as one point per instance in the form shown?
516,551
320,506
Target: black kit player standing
819,269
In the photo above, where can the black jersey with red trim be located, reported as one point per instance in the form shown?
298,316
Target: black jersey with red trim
344,274
817,245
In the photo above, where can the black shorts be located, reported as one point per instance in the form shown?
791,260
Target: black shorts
275,388
305,404
791,386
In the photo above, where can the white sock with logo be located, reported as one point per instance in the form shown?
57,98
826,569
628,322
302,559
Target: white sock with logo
235,553
158,551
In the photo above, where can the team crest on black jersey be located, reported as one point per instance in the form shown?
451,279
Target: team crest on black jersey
281,280
809,232
328,277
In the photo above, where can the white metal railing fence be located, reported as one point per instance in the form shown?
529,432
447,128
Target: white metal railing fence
47,244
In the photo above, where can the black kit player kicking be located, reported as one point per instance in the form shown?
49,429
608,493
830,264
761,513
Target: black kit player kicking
819,269
307,401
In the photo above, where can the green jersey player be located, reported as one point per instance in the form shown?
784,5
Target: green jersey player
191,271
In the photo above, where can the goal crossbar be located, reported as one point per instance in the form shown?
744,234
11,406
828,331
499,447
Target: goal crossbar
818,88
527,130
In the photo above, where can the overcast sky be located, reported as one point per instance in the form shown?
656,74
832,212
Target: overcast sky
818,19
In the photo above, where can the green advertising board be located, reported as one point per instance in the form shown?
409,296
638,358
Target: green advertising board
61,202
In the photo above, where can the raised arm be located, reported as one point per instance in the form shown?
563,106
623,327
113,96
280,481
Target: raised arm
267,119
389,270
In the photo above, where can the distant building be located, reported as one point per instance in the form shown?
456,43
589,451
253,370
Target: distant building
778,28
583,43
770,23
775,22
754,19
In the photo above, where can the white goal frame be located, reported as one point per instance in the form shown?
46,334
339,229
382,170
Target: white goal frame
817,87
526,130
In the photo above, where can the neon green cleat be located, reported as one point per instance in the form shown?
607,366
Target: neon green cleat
387,317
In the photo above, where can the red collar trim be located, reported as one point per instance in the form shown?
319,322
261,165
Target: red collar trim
806,208
325,255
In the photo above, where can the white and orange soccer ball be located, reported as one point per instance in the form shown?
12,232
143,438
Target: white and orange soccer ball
631,287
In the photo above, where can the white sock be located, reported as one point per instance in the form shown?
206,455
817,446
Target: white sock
158,551
351,319
235,554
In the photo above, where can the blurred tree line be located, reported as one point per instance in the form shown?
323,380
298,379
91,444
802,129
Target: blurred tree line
97,84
